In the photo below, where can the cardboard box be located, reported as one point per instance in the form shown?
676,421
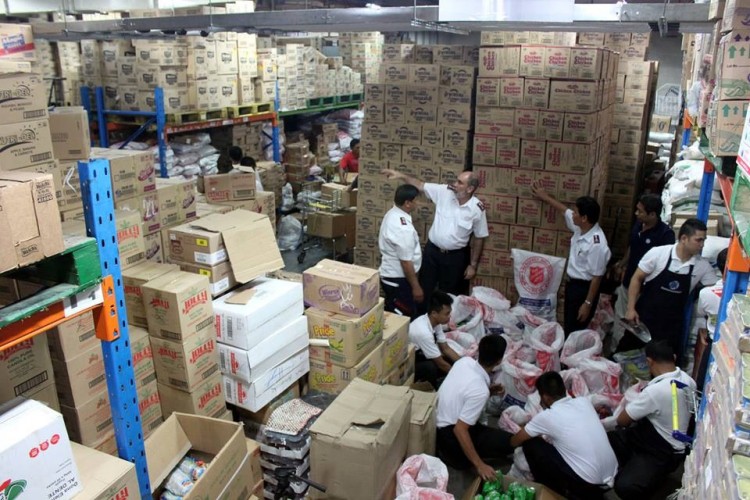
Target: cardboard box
455,95
508,151
526,124
36,469
178,305
17,42
29,217
26,97
219,237
133,280
349,339
498,238
484,150
91,421
511,92
225,187
104,477
422,424
221,442
499,61
332,378
532,61
246,316
395,340
130,242
545,241
143,357
488,91
257,394
493,121
536,93
26,368
340,193
325,284
551,125
529,212
72,337
581,127
249,365
80,379
220,275
69,128
132,172
574,95
403,374
186,364
342,433
207,399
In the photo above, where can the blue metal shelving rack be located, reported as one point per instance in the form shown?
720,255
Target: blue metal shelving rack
98,205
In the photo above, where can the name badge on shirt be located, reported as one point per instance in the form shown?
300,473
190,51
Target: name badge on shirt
403,221
596,238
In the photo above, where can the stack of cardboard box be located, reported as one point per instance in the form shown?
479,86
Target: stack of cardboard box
635,87
26,370
418,120
543,114
345,320
362,52
183,341
69,69
262,341
144,370
78,364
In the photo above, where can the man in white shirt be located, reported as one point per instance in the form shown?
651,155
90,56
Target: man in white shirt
401,254
661,286
565,445
706,312
461,441
587,262
645,448
433,357
450,261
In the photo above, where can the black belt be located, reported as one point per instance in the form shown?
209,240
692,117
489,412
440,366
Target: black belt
577,281
445,251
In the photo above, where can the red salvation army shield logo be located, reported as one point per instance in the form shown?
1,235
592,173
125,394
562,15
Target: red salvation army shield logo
536,274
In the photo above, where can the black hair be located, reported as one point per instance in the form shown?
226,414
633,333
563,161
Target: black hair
651,204
404,193
438,300
235,154
353,144
491,350
248,161
721,260
551,384
588,207
660,351
690,227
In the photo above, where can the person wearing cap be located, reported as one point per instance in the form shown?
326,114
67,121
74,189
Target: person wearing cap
456,237
588,259
401,254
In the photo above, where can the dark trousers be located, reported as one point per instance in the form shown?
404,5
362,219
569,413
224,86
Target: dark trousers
550,469
490,444
443,270
399,298
425,370
575,295
644,458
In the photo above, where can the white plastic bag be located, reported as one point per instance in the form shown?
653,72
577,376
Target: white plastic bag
580,345
520,467
466,316
519,373
537,278
513,418
465,341
533,404
422,477
546,340
602,376
574,382
290,233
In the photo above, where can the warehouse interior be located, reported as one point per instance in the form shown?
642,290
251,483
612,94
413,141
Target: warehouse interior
390,249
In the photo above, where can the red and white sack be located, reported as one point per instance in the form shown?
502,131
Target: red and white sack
492,301
463,343
547,340
519,373
533,404
537,278
575,383
580,345
513,418
602,376
467,316
422,477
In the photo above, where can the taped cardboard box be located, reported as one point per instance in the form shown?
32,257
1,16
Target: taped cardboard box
26,368
404,372
325,285
349,339
226,187
422,425
395,340
72,337
80,379
340,193
28,97
130,241
133,280
103,476
332,378
249,365
69,127
220,443
255,395
186,363
89,422
143,358
246,316
220,275
17,42
178,305
29,219
359,442
207,399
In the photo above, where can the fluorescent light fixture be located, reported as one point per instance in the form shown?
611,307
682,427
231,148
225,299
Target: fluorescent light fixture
373,6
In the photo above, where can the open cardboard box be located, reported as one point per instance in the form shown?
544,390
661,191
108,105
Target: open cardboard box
220,443
542,492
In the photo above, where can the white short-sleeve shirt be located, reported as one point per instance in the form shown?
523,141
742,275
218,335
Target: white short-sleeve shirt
589,253
655,403
454,223
707,309
398,241
655,260
425,337
463,394
572,426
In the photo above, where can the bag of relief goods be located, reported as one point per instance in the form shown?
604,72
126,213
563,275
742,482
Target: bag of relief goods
422,477
513,418
547,340
602,376
466,315
518,373
574,382
580,345
537,278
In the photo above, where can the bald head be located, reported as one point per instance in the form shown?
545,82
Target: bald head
470,179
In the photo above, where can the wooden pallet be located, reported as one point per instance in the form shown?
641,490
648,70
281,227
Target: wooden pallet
250,109
345,99
196,116
321,101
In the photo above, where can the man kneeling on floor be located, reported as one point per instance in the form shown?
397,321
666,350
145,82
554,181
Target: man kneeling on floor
434,357
645,447
461,441
565,445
